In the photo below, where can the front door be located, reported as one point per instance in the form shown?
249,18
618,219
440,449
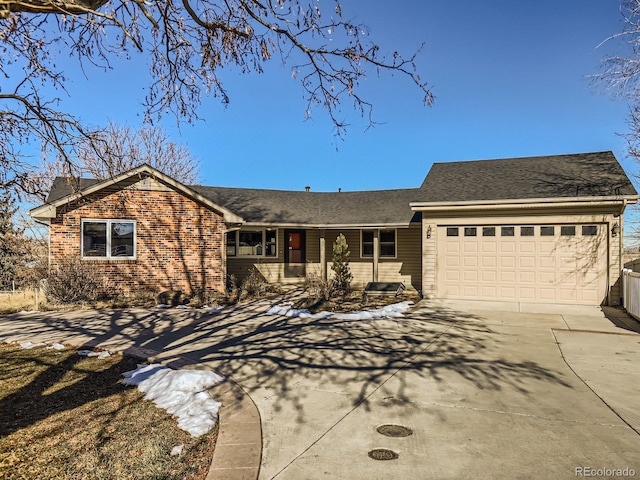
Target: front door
294,256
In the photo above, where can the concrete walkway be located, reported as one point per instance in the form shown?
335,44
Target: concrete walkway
487,393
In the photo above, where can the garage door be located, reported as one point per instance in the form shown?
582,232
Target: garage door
523,263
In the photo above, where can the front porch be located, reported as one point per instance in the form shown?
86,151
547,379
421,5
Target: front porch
376,254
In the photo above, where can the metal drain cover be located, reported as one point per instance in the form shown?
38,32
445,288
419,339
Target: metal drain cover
383,454
394,430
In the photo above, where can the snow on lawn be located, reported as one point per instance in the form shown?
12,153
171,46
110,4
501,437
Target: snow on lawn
390,311
182,393
89,353
29,345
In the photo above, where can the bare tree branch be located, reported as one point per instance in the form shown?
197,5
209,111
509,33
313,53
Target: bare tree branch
186,43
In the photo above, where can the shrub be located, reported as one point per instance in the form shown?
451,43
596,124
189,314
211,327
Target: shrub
71,280
342,278
254,285
319,287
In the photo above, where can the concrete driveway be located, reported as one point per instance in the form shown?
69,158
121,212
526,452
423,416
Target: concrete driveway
487,394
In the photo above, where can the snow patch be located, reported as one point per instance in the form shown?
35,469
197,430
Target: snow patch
181,393
28,345
395,310
215,308
55,346
89,353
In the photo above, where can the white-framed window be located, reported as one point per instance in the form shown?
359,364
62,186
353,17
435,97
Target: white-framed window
386,243
252,243
102,238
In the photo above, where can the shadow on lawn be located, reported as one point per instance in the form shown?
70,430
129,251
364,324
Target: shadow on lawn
52,390
286,357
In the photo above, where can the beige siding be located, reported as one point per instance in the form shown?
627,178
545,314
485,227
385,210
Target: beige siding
405,268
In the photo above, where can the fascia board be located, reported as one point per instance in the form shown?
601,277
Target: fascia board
524,204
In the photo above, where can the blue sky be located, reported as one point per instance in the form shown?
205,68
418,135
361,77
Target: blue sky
510,79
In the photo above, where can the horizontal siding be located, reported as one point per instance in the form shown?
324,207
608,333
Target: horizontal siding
406,268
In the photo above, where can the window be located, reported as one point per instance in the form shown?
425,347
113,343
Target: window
270,243
108,238
452,231
568,230
470,231
526,231
366,249
488,231
387,243
507,231
589,230
547,231
231,244
252,243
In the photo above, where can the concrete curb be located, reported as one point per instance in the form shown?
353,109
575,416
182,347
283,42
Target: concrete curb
238,451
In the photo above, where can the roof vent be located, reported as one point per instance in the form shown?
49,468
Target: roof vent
307,188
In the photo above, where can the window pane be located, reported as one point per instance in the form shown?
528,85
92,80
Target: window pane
589,230
526,231
387,236
547,231
122,239
270,247
488,231
231,244
568,230
250,243
387,249
507,231
387,243
470,231
94,239
366,249
452,231
367,236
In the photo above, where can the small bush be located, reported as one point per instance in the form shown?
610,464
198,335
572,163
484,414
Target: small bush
71,280
254,285
319,287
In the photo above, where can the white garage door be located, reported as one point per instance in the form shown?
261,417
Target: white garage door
523,263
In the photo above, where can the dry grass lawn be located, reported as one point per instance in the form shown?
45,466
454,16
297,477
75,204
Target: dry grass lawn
21,300
63,416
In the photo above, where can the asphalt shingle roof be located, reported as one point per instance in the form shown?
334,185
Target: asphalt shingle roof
376,207
553,176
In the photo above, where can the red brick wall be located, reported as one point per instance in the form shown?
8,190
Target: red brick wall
179,243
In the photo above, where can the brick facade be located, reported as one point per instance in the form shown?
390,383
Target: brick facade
179,242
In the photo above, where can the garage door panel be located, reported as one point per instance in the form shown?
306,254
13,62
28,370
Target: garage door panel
489,262
470,262
527,261
470,275
489,246
508,293
508,262
507,276
527,277
560,268
526,247
451,261
508,247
